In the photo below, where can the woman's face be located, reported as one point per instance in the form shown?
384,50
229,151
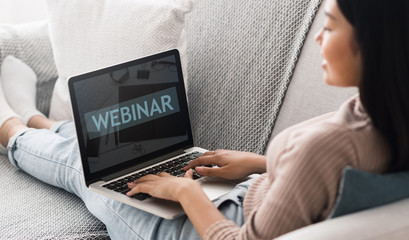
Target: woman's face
342,58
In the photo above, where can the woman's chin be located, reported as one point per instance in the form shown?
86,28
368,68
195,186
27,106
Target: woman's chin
327,79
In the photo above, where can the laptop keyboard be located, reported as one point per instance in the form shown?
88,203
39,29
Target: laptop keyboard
173,167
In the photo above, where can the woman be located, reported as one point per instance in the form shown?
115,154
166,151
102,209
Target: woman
364,44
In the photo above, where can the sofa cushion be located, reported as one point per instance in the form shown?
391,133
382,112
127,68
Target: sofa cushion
30,43
381,223
87,35
361,190
31,209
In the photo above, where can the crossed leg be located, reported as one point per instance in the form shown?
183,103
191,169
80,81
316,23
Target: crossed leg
17,100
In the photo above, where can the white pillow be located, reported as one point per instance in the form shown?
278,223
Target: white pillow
90,34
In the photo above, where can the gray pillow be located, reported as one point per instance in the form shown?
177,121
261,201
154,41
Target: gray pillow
361,190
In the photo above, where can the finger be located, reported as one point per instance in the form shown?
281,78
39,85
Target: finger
209,153
134,190
140,188
189,174
149,177
131,184
206,171
164,174
200,161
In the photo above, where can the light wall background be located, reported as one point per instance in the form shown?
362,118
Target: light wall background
22,11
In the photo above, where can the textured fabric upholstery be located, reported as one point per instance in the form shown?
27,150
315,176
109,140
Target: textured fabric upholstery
241,58
30,208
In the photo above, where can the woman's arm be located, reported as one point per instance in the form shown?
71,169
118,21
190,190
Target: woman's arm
200,210
230,164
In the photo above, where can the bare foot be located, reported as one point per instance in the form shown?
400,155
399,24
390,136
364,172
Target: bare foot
40,121
9,128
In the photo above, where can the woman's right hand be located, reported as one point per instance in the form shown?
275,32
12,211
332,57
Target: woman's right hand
231,165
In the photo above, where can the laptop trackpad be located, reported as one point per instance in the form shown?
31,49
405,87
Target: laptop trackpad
215,187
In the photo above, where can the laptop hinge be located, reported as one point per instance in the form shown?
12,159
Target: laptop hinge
143,165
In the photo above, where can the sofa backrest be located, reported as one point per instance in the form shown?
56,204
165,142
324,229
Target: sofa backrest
241,58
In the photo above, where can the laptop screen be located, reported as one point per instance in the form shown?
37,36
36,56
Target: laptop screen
130,113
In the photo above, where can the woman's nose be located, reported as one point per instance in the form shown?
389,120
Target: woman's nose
318,36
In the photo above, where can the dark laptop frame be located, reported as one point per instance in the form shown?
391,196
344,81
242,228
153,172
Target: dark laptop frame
148,159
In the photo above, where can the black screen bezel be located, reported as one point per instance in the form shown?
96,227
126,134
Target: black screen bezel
97,176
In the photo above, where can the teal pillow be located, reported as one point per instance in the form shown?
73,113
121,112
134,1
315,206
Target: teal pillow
361,190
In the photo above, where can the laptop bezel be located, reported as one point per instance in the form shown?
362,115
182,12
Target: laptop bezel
132,164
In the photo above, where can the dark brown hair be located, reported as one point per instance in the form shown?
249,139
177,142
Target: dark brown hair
382,32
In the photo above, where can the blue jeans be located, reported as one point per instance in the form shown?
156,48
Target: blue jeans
52,156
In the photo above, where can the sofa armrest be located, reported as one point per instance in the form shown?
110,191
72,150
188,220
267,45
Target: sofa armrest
386,222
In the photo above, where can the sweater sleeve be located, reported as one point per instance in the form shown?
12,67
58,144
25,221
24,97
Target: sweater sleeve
223,229
301,186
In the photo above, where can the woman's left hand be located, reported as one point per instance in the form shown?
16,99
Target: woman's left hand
200,210
163,185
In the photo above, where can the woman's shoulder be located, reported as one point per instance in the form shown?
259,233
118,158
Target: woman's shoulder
346,135
349,119
317,131
316,143
323,135
322,138
330,139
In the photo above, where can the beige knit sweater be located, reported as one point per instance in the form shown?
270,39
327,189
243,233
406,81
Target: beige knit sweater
304,168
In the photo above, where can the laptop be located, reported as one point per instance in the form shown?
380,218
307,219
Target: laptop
132,119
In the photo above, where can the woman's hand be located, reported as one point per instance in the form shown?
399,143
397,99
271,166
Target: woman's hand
188,192
163,185
232,165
